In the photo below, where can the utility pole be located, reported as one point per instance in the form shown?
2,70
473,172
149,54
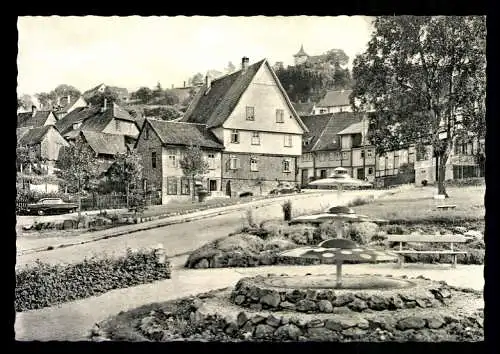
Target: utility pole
363,143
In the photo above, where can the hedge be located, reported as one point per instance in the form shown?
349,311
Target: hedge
42,285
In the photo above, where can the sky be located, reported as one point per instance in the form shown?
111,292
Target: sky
139,51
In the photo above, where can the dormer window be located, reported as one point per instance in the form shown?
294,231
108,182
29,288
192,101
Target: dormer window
235,137
77,125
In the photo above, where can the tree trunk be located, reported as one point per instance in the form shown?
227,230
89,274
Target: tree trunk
127,195
193,196
79,201
442,159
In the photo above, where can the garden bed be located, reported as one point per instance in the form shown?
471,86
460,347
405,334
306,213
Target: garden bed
42,285
212,317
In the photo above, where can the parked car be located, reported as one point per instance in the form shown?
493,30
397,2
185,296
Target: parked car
285,188
51,206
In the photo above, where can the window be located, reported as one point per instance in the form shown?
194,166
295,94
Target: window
172,185
280,116
370,170
322,156
172,161
344,155
337,156
369,153
146,133
286,166
211,161
362,154
234,163
253,164
250,113
212,185
255,138
322,174
117,124
77,125
153,159
185,190
288,140
331,156
235,137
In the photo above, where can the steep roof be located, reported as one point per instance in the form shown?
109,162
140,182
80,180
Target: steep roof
107,144
214,106
181,133
27,119
91,92
327,139
80,114
316,124
301,52
355,128
65,105
34,135
335,98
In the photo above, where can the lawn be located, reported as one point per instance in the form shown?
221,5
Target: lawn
418,205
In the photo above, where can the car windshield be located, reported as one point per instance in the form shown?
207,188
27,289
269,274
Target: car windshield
51,201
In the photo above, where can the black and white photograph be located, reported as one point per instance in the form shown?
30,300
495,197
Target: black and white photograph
250,179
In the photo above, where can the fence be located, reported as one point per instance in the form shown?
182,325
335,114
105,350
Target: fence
400,178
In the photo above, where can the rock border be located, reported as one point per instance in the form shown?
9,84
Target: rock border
256,294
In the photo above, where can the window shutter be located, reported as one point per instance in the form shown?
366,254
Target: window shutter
238,165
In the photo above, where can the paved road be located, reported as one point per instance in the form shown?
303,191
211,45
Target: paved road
182,238
72,321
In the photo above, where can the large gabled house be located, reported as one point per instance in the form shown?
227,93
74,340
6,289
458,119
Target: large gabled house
251,115
68,104
121,93
161,145
47,143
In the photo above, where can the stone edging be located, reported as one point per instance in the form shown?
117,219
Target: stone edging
255,294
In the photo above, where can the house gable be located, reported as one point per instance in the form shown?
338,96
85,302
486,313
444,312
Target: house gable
265,95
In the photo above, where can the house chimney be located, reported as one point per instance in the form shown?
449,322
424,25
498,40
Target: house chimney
184,83
244,64
33,110
105,106
172,85
208,83
69,99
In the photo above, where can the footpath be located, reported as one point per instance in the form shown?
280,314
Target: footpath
72,321
27,246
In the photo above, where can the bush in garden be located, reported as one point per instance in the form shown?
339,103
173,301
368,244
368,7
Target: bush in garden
279,243
272,228
363,232
299,234
41,285
395,230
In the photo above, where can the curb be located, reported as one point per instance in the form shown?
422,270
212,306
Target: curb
149,227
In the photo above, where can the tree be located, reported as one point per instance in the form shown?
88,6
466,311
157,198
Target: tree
78,167
193,164
168,97
144,94
64,90
302,83
197,79
126,170
98,99
25,102
165,113
425,77
46,100
26,156
230,68
337,57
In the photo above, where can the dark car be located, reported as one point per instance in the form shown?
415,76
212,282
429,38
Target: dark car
285,188
51,206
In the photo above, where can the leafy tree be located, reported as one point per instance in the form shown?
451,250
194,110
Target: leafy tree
25,102
302,83
337,57
230,68
341,78
47,100
98,99
193,164
64,90
196,79
425,77
168,97
165,113
144,94
78,167
126,170
26,157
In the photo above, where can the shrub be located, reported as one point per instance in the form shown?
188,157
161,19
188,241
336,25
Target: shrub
272,228
250,217
361,201
363,232
326,230
394,230
245,242
478,181
41,285
287,210
279,243
300,234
